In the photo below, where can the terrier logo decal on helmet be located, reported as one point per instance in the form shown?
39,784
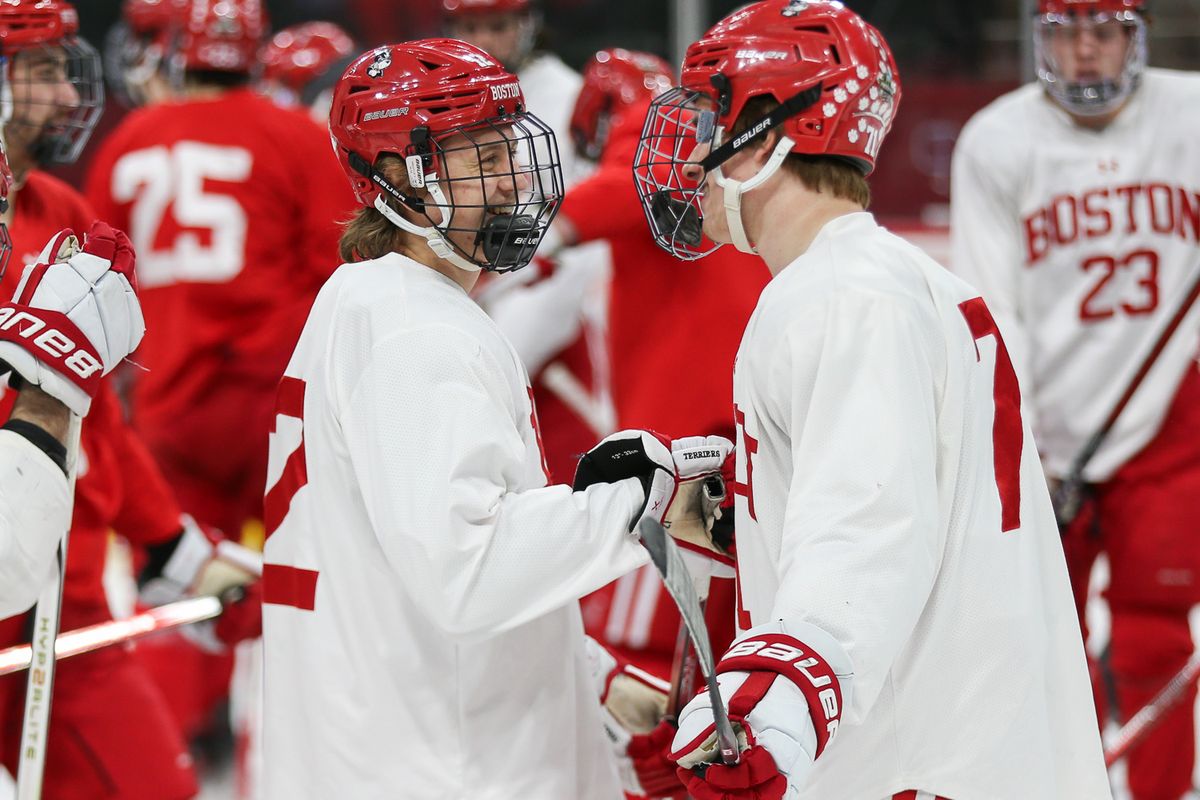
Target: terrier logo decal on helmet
1060,21
383,60
458,102
837,90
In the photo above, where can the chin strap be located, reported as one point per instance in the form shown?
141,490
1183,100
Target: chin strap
733,191
437,242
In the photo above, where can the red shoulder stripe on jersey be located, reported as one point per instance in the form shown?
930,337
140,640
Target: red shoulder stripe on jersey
289,586
912,794
289,402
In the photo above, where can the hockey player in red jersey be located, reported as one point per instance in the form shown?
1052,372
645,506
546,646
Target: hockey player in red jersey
301,64
232,204
1074,209
138,49
54,84
897,554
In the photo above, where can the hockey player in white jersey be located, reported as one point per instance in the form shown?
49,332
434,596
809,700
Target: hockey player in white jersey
422,631
1076,210
906,625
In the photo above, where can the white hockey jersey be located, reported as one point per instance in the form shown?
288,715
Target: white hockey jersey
35,510
422,630
873,504
1084,244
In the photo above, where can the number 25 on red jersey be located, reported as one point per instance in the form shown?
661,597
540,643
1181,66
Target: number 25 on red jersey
183,229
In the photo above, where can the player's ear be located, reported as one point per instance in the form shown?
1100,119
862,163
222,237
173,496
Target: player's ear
762,151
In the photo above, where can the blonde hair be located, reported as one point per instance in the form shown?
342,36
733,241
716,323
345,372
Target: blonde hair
833,176
369,234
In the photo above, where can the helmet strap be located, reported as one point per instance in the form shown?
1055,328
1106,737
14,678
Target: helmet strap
733,191
438,243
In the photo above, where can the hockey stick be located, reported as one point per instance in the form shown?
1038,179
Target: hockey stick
678,582
104,634
683,674
39,684
1152,713
1068,497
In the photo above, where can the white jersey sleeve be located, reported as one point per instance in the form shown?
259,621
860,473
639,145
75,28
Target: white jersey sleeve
477,557
862,500
35,510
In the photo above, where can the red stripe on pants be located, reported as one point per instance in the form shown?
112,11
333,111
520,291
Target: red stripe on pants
911,794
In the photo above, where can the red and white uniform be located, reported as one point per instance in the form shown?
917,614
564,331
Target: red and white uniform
233,206
556,318
420,577
869,389
1084,243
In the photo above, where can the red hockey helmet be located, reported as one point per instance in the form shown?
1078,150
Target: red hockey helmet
222,35
1057,30
612,80
831,73
425,101
138,47
298,55
56,133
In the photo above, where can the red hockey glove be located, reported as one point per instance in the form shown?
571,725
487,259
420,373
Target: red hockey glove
241,618
754,777
769,678
657,775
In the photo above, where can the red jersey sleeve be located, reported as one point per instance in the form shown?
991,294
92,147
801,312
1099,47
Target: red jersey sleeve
148,512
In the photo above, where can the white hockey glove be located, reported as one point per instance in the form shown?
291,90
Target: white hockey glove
196,563
74,317
785,688
701,517
632,704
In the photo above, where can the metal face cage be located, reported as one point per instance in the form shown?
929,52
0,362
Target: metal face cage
680,131
57,97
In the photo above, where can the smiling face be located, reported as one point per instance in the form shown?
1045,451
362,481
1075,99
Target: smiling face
483,178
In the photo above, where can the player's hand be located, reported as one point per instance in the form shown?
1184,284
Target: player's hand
785,700
74,317
199,561
644,455
700,518
241,619
632,704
